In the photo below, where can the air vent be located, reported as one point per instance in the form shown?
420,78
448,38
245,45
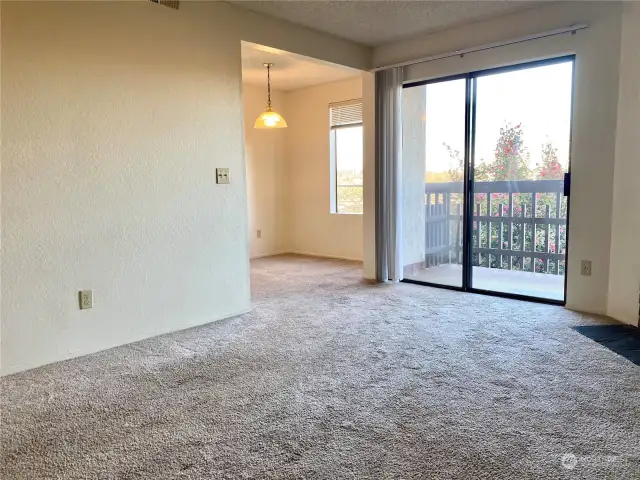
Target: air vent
175,4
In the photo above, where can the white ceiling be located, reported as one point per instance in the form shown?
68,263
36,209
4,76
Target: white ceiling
290,71
375,22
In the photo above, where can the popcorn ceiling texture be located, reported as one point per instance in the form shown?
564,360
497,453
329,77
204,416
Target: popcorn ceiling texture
330,377
374,23
290,71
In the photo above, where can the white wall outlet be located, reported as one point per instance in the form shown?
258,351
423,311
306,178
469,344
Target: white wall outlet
259,234
585,268
222,176
86,299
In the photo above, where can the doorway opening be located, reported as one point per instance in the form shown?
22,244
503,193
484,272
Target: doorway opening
486,180
304,181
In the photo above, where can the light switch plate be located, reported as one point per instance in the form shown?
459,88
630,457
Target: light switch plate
222,176
86,299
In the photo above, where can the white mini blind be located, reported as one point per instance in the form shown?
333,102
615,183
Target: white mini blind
345,113
168,3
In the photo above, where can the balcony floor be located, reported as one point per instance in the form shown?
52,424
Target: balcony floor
539,285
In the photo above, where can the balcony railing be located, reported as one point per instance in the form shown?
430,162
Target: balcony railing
519,225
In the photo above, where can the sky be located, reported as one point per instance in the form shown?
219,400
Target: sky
539,98
349,146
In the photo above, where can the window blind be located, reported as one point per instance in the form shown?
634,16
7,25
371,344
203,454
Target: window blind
345,113
168,3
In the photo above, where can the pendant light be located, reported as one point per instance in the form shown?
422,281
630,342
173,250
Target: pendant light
269,118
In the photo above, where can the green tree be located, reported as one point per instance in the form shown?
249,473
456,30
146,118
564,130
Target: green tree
349,191
550,168
511,163
510,156
455,173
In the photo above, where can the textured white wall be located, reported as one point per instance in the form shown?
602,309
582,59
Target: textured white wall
414,104
1,151
594,120
624,277
267,180
313,229
114,117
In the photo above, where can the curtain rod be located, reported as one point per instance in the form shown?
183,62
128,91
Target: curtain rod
559,31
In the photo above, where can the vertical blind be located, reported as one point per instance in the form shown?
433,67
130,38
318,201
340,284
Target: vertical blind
345,113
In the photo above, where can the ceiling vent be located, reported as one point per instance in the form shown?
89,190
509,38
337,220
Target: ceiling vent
175,4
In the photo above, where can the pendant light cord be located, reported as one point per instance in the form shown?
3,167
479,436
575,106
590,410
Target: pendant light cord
269,86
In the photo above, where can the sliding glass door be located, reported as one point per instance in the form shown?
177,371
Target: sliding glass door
493,147
521,154
433,173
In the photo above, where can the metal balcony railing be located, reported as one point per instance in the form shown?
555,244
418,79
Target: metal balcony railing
517,225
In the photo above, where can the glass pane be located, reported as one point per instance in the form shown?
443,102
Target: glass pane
349,199
521,153
349,146
432,176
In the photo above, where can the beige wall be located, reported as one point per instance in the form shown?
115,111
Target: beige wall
594,115
313,229
369,176
267,181
114,117
1,152
624,277
288,180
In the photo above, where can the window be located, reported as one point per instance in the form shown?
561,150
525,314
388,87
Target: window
346,156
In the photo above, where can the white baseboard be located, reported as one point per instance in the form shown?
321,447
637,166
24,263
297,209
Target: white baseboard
270,254
11,369
306,254
324,255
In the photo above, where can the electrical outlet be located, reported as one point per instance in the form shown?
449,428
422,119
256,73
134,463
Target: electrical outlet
86,299
259,234
222,176
585,268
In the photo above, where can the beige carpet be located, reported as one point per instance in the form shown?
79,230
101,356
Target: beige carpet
332,378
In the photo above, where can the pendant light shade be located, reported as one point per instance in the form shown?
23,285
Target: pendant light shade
269,118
